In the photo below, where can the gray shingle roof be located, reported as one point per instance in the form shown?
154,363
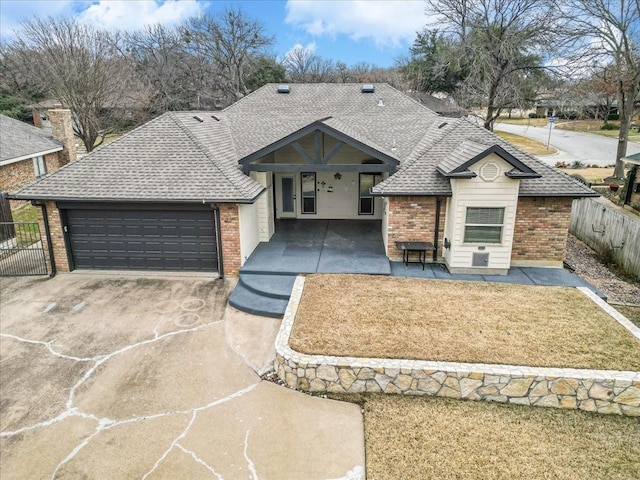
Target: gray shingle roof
460,155
173,158
19,139
177,157
418,176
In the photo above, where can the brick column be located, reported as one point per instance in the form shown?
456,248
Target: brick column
230,237
57,237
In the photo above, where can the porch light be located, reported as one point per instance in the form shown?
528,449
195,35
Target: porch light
337,176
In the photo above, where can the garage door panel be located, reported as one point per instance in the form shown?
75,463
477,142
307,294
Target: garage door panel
142,239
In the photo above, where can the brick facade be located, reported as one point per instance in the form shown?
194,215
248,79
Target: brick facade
413,218
540,235
230,238
16,175
57,237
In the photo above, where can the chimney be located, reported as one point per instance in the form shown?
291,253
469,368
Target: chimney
37,119
62,130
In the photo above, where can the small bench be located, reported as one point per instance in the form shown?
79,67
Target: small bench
420,248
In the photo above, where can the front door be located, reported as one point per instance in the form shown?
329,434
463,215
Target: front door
287,196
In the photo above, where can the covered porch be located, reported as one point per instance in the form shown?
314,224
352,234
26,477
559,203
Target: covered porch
321,246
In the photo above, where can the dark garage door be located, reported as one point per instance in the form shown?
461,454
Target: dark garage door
135,239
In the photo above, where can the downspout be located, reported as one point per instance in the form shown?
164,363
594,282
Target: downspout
47,234
436,234
216,216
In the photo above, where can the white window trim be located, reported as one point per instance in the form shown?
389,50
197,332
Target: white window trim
501,225
39,166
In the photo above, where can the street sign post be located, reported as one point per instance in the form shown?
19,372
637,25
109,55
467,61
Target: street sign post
552,120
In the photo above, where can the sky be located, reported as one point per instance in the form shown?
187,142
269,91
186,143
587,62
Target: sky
373,31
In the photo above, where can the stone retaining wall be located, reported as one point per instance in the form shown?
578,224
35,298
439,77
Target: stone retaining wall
592,390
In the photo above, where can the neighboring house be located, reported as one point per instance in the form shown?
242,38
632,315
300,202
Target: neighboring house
200,190
446,107
28,152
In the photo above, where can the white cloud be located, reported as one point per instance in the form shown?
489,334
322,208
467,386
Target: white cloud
132,15
14,12
309,47
109,14
386,23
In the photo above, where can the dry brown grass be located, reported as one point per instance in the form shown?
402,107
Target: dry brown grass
389,317
532,147
632,313
593,175
413,438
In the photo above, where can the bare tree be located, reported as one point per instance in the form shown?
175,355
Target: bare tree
230,43
77,65
177,74
501,44
605,34
298,64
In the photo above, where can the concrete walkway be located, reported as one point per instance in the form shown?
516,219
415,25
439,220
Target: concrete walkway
110,377
517,275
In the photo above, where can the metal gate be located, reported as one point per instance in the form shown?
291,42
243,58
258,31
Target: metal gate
21,250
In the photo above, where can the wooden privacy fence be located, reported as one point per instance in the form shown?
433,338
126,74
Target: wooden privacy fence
604,228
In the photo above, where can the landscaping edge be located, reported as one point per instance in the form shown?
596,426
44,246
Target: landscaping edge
602,391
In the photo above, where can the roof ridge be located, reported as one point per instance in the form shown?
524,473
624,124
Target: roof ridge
413,156
206,152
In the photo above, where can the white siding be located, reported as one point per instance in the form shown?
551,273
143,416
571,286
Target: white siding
336,199
266,225
475,192
385,223
248,216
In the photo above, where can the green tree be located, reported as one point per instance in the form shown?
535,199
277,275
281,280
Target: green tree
265,70
433,65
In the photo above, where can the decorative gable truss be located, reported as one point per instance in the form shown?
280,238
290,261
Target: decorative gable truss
317,160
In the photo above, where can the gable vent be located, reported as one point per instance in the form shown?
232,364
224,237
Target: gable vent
284,88
489,172
368,88
198,118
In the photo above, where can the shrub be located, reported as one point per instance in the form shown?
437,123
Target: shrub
535,115
577,164
610,126
613,116
607,256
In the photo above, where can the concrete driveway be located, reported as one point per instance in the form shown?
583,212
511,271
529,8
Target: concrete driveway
122,377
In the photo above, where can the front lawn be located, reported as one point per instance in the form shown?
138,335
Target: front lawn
422,438
474,322
529,145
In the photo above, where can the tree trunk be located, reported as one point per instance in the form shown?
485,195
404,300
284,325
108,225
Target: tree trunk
625,109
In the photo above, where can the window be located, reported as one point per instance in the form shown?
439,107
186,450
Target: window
308,193
483,225
367,182
39,167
